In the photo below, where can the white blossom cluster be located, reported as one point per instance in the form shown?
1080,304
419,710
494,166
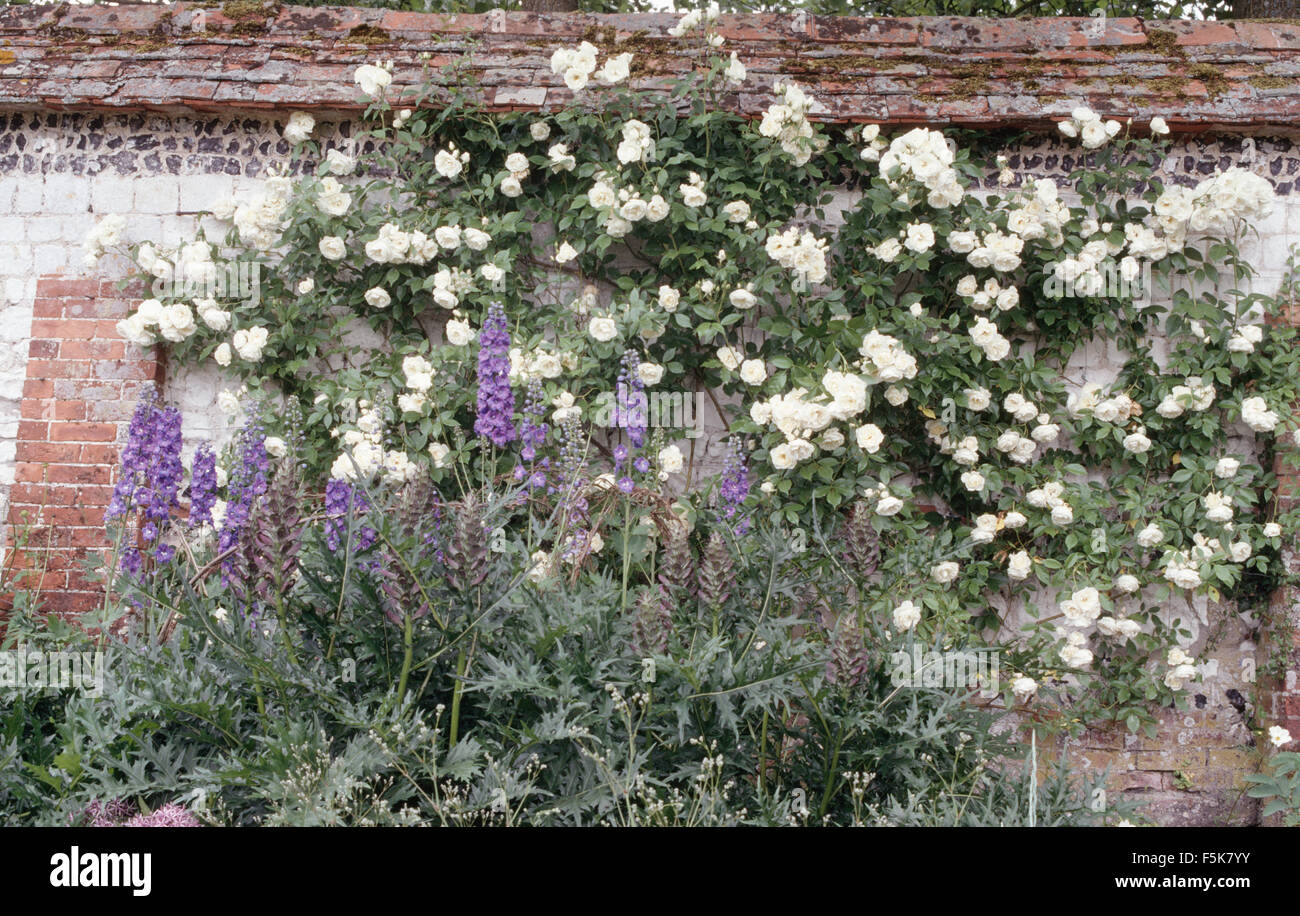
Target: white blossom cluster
418,375
102,236
363,454
924,156
578,65
1088,126
884,359
539,363
699,19
800,252
624,207
786,121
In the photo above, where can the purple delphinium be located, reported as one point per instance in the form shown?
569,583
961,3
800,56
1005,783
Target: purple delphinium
573,462
572,484
632,399
733,488
203,485
341,501
532,437
248,481
496,400
151,475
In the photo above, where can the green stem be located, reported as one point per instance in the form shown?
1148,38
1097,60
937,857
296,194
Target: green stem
627,552
455,698
407,652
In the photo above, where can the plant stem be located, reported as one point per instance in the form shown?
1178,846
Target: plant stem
407,651
627,554
455,698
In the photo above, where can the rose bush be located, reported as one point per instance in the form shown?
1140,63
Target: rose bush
483,303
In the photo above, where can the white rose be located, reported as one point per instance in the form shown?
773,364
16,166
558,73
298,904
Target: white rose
1019,565
1150,536
889,505
650,374
782,457
906,616
377,297
372,80
249,343
737,211
222,354
332,248
340,163
743,299
753,372
1227,467
869,438
945,572
670,459
228,401
602,328
299,128
439,452
1022,688
730,357
275,446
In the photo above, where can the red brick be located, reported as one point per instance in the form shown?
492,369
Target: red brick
92,349
70,603
47,452
37,409
76,516
33,430
38,388
83,432
28,472
100,454
88,537
69,410
67,287
65,328
80,473
47,308
87,390
121,369
58,368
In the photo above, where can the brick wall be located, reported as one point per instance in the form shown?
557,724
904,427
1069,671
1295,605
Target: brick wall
157,112
80,385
